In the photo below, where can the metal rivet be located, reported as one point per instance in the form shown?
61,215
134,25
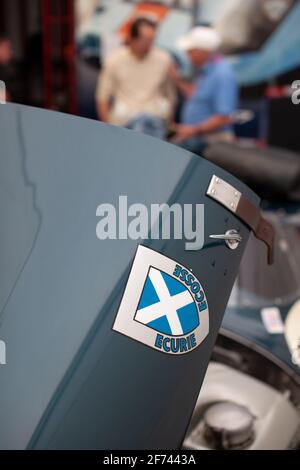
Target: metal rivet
213,191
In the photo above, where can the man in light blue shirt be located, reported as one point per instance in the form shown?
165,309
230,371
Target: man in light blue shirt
211,100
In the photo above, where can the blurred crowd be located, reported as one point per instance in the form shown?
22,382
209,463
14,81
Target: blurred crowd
140,88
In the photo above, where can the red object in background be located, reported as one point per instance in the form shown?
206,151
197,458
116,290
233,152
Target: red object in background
59,55
275,91
156,12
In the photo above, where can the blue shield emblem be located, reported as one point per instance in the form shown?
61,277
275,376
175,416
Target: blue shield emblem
166,305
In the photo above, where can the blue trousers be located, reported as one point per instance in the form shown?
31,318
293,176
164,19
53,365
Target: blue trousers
148,124
194,144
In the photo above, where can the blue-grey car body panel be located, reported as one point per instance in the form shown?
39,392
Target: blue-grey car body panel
70,381
247,324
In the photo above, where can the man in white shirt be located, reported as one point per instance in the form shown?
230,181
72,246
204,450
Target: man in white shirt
134,88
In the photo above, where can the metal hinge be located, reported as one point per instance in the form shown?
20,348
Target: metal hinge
233,200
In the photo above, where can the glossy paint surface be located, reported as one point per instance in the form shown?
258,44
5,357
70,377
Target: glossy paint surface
70,381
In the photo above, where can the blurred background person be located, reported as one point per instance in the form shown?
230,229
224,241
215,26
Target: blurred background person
211,99
134,88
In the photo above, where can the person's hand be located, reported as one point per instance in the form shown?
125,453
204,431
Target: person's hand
182,132
173,72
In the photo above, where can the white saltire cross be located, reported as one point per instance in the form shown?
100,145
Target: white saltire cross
167,305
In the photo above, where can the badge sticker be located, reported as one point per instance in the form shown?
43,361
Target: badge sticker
164,305
272,320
